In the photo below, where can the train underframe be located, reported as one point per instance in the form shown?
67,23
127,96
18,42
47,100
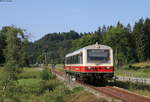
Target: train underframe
94,77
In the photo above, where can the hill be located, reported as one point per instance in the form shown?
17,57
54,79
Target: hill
52,47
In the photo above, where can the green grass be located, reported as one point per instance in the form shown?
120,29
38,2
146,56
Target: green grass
142,92
60,69
29,73
143,73
2,73
134,71
77,89
142,64
28,82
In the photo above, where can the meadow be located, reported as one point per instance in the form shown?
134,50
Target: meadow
34,85
141,70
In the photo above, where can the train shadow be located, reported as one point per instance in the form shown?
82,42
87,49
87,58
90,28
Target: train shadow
97,84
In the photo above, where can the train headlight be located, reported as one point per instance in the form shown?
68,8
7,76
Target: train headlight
108,67
89,68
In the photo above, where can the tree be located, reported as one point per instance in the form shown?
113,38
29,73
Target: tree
15,57
57,46
104,29
2,44
140,40
15,50
128,28
86,40
146,29
116,37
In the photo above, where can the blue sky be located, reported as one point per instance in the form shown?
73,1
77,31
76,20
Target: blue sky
40,17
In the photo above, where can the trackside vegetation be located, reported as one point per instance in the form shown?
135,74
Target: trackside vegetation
35,88
42,87
141,70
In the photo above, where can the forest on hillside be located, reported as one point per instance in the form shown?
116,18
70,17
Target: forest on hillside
130,44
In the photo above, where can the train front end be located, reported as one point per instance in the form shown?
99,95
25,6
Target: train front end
98,61
93,62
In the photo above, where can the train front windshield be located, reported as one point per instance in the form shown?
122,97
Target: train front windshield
97,55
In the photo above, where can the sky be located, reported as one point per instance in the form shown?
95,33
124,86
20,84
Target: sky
40,17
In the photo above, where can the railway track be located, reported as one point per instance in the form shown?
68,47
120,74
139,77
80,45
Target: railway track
115,92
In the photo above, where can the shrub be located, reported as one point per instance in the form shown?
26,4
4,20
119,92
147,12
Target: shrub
30,86
49,84
47,75
58,94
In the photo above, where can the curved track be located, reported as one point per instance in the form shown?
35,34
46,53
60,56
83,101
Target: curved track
115,92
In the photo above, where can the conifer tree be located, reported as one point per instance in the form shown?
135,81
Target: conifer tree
146,29
2,44
140,40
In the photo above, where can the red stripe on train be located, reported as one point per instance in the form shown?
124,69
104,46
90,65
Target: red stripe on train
90,68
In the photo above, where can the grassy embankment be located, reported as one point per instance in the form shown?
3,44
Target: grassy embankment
141,70
135,70
34,85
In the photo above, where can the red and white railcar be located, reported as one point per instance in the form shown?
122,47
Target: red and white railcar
91,62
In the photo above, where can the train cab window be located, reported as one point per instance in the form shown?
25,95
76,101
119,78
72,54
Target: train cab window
97,55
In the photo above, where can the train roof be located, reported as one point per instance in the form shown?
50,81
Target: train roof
97,46
94,46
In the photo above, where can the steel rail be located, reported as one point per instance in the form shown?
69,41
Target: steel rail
118,93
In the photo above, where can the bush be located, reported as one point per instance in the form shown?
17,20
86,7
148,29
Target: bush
49,84
30,86
58,95
47,75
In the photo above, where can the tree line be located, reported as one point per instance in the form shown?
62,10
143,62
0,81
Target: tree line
130,44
